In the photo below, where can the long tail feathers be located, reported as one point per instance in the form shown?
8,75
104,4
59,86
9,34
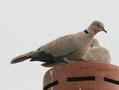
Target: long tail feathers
22,57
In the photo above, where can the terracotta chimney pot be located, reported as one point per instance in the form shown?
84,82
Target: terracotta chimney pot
82,76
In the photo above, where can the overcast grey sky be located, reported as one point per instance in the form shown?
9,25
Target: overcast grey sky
25,25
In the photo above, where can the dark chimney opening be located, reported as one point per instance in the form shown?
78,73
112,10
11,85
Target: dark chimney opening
111,80
51,85
83,78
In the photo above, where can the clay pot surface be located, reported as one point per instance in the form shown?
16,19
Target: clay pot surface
82,76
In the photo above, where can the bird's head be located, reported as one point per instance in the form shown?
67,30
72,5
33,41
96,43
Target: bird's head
97,26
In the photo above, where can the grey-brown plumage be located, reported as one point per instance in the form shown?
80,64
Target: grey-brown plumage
70,46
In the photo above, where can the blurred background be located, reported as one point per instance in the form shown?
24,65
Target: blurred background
25,25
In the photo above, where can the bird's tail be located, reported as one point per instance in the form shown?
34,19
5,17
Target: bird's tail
22,57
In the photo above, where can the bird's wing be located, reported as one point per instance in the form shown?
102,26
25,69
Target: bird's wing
60,47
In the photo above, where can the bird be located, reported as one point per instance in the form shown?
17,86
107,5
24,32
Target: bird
69,46
97,53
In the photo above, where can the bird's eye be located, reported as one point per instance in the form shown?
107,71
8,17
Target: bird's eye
97,25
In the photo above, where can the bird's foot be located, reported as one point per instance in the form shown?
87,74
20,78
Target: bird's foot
68,61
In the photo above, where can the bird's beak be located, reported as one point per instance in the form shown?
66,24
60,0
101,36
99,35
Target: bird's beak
104,30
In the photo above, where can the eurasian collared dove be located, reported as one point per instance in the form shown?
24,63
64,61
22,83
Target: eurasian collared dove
70,46
97,53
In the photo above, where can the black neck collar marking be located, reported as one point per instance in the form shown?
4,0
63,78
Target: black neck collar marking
86,31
